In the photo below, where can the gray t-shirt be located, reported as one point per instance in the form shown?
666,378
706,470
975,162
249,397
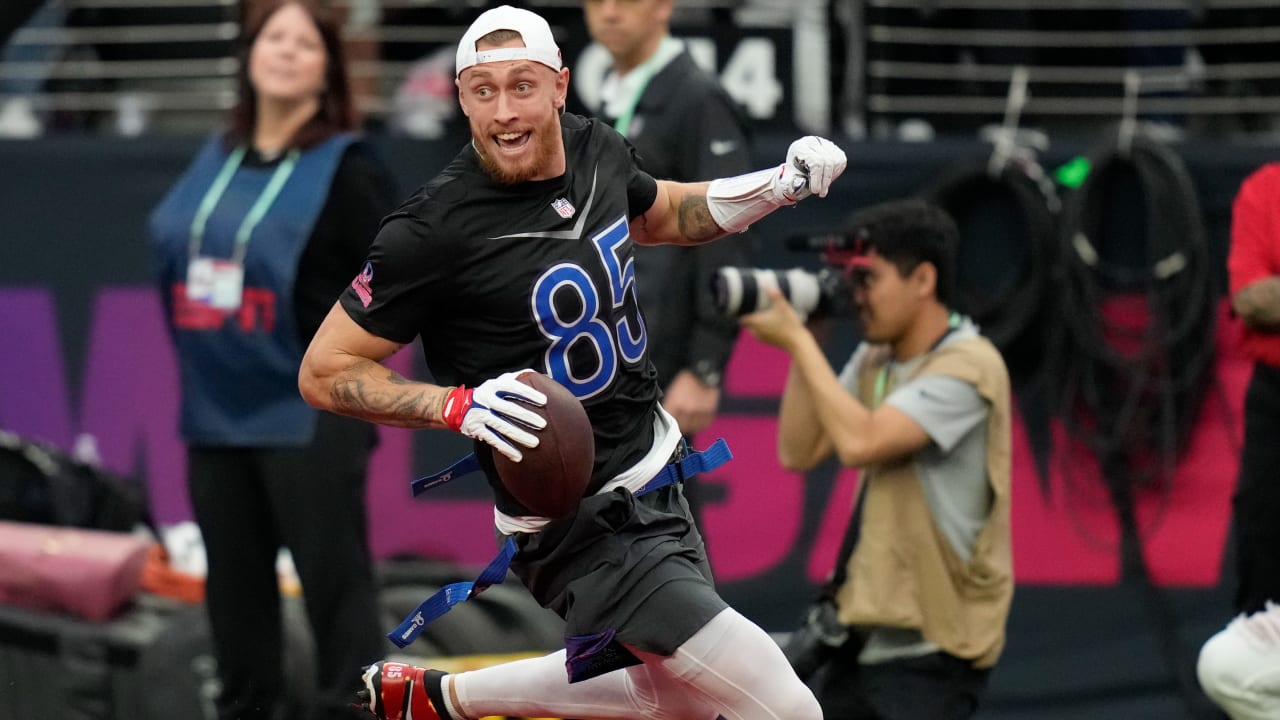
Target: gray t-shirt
952,469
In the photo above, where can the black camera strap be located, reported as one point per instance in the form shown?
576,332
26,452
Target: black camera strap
851,533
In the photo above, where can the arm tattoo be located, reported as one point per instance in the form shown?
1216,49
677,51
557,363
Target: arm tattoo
386,397
1258,304
696,224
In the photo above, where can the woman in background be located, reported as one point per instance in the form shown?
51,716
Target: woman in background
271,221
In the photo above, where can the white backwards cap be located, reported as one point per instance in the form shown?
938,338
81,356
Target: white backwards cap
539,45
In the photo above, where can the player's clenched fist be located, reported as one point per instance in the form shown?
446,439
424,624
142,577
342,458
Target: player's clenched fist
813,163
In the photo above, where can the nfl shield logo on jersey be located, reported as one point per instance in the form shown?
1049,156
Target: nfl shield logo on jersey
563,207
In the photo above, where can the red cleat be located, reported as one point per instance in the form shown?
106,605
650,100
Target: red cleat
395,691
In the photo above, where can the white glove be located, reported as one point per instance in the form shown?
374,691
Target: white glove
813,163
489,413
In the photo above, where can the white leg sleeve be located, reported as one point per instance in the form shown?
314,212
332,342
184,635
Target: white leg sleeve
739,670
730,667
539,687
1239,668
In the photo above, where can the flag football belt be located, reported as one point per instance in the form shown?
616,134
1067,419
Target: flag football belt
685,465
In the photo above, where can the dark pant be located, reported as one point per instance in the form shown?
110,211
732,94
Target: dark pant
1257,499
938,686
249,502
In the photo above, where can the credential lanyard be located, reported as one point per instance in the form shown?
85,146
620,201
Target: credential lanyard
882,384
256,212
647,69
623,123
882,378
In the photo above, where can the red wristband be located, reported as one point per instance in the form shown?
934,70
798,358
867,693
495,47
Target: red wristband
456,405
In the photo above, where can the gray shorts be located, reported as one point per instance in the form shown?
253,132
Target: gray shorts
633,568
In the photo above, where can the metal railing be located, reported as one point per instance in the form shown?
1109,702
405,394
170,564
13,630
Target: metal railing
1072,5
904,58
952,61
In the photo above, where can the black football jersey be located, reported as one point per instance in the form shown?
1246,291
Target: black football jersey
495,278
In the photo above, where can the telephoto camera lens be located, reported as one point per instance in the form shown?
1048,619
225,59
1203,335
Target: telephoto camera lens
740,291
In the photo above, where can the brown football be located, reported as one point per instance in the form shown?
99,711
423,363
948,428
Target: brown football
552,477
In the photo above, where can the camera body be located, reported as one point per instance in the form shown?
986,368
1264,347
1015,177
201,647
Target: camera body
739,291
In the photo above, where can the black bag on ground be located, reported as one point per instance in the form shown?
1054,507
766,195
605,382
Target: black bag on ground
42,484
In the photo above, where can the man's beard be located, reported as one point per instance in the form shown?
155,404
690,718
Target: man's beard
544,151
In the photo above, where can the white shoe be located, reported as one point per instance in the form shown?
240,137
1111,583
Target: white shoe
18,119
1239,668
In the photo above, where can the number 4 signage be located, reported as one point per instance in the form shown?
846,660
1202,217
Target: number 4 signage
751,65
750,75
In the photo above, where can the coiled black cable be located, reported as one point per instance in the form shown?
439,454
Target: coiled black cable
1010,214
1129,389
1007,211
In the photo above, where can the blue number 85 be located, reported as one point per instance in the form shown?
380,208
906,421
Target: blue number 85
607,343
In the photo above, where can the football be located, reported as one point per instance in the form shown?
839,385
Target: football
552,477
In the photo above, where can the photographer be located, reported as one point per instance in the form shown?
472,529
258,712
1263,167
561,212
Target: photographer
917,604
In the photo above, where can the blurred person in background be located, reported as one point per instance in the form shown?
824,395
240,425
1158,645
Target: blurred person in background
1239,667
253,244
685,128
26,66
915,613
